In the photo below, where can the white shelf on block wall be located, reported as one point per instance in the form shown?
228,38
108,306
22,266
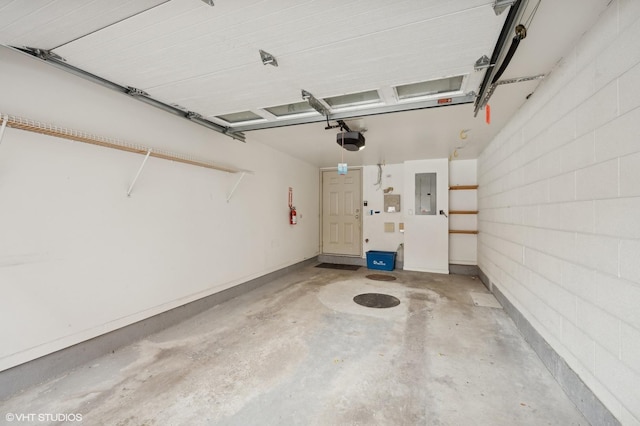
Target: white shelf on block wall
463,187
463,212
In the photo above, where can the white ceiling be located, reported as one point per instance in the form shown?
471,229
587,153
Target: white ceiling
207,60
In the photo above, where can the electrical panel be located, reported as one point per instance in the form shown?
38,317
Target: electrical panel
425,194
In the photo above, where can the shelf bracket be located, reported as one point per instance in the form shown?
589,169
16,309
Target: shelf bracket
235,186
146,157
5,118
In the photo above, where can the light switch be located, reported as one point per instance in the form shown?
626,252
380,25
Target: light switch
389,227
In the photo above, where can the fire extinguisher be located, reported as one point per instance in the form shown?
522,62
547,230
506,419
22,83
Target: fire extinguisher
293,217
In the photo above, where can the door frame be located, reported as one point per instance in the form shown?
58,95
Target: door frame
320,195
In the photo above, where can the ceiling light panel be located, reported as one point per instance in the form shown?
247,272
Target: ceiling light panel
354,99
430,88
240,117
291,109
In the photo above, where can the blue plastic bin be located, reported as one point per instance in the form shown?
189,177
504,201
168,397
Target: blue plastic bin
382,260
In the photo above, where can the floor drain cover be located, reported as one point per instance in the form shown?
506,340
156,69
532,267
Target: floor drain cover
376,300
381,277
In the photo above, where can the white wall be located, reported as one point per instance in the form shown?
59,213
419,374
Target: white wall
373,225
463,248
426,238
78,258
559,202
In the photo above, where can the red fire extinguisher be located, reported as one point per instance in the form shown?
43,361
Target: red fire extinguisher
293,217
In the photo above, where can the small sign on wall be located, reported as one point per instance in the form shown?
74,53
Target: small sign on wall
392,203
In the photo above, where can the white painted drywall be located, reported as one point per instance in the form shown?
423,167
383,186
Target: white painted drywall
463,248
426,240
559,202
78,258
373,224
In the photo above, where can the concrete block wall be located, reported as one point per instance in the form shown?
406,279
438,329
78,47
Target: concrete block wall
559,202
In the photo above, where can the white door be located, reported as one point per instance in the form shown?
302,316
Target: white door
341,212
426,231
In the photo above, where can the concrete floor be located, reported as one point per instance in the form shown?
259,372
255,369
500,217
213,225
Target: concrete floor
300,351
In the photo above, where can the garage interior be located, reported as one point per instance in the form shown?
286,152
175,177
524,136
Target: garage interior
152,154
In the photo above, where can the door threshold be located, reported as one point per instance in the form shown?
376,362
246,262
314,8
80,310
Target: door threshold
342,259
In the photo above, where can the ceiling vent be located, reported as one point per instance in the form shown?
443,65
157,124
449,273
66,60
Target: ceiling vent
351,141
